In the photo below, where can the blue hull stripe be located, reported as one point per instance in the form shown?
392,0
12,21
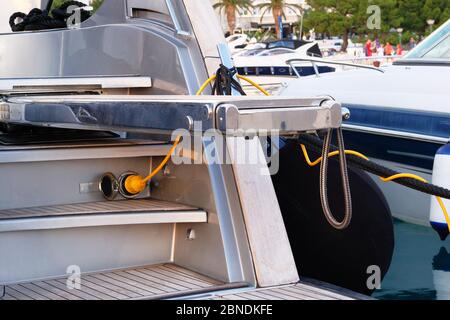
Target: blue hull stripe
417,122
282,71
414,153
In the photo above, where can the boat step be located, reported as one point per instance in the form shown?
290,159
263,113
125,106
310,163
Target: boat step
305,290
149,282
106,213
71,84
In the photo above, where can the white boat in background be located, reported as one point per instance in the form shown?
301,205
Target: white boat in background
267,64
399,115
237,42
274,64
331,47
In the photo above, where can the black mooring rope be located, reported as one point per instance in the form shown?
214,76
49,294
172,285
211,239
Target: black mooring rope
315,144
38,19
225,82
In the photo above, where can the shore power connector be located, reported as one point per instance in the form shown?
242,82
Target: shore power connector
129,185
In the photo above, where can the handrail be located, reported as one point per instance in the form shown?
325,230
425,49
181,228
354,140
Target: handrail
176,21
313,61
396,57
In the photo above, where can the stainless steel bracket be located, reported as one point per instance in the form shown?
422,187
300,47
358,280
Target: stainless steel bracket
286,120
164,114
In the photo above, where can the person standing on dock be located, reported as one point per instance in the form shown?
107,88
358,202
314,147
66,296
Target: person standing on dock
380,50
388,49
412,43
368,48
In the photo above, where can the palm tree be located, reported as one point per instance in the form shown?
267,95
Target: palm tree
230,7
278,7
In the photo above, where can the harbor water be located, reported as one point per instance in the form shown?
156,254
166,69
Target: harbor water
420,267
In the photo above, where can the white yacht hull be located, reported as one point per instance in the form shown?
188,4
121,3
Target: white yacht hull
406,204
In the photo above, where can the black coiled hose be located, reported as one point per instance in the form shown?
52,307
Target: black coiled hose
345,182
316,144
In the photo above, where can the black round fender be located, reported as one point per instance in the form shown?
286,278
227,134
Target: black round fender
346,258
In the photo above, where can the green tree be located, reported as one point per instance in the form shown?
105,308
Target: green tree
278,7
57,3
410,13
335,17
437,10
390,20
231,7
94,3
341,17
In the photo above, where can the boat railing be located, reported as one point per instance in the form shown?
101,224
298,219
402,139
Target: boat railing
387,59
315,61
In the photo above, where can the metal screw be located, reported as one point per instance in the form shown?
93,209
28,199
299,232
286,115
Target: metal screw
190,123
207,112
346,114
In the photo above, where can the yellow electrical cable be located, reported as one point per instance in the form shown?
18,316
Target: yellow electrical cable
257,86
136,184
164,162
332,154
389,179
212,78
205,84
413,176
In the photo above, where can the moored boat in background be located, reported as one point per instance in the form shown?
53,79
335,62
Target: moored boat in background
267,63
399,115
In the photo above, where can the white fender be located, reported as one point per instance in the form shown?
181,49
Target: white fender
441,177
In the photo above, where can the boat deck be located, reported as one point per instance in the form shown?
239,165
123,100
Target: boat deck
152,282
167,281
